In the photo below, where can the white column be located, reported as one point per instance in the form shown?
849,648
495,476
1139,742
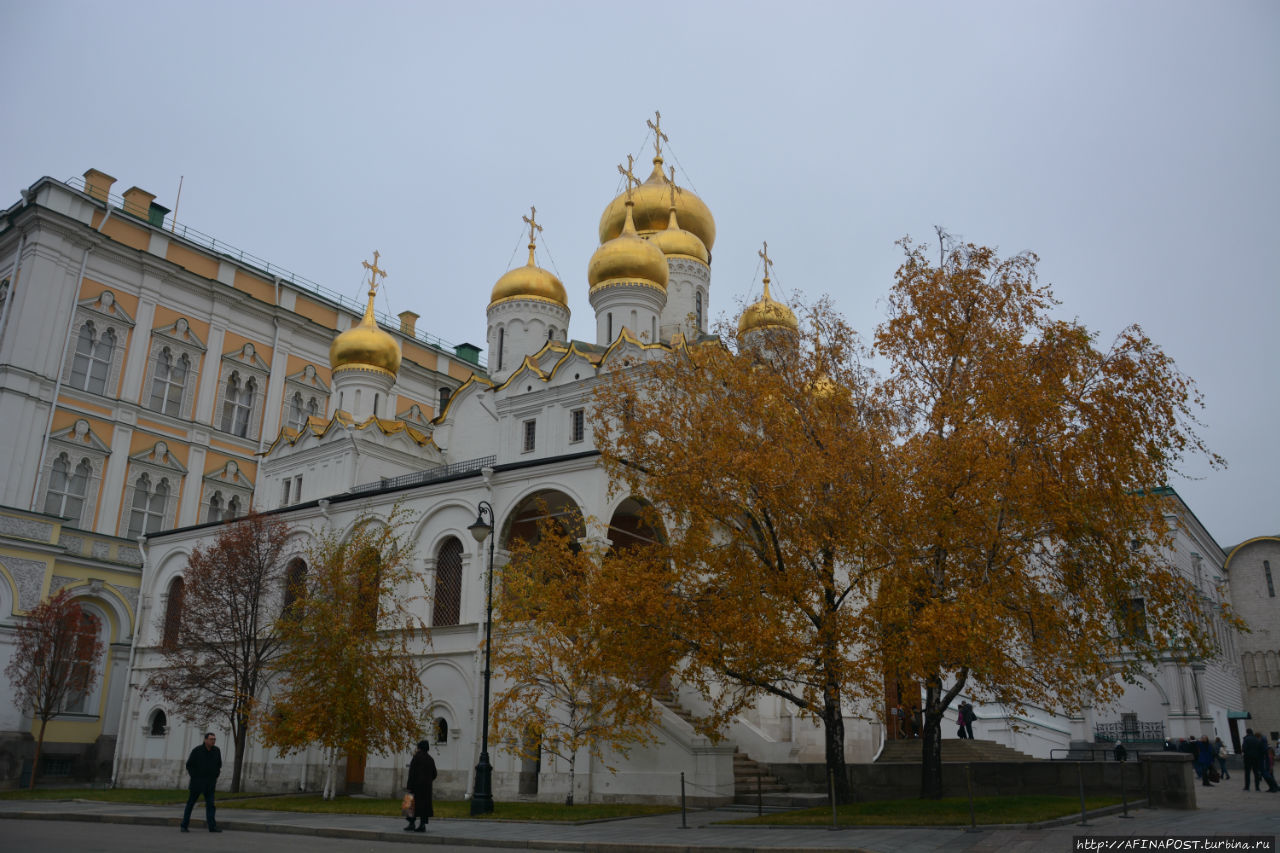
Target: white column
207,393
189,510
113,480
135,365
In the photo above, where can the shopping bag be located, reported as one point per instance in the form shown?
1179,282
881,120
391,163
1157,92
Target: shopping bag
406,806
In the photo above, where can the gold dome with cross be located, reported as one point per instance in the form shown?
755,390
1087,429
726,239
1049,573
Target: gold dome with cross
365,346
651,200
530,281
768,313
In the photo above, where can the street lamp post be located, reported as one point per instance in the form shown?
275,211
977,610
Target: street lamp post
482,797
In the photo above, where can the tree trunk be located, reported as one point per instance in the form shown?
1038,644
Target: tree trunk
931,742
35,762
329,768
568,801
238,738
833,726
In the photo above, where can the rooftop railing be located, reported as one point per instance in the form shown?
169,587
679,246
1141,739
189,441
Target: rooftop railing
430,475
271,270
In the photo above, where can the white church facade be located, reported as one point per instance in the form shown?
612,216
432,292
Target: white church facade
520,439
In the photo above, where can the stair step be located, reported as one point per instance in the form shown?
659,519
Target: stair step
957,751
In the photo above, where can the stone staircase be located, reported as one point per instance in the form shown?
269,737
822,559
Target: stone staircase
751,781
954,751
667,697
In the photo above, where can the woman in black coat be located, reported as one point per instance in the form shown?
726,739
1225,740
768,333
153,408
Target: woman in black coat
422,772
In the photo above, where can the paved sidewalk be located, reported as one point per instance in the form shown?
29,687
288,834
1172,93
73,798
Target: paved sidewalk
1224,809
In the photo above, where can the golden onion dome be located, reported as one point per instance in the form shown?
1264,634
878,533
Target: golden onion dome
529,282
768,313
628,256
674,240
652,203
365,346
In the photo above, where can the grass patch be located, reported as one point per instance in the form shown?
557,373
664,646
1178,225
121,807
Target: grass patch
951,811
143,796
313,804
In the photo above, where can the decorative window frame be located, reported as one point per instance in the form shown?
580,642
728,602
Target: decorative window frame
106,313
415,418
159,464
78,441
308,383
246,362
181,341
230,482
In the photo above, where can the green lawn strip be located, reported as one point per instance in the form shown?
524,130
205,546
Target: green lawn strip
952,811
143,796
313,804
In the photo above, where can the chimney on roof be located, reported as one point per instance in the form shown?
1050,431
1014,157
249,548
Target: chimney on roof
98,184
137,202
408,323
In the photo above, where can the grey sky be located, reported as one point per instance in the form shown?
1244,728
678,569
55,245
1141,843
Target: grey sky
1133,146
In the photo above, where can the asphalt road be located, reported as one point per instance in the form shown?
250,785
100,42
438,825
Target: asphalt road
46,836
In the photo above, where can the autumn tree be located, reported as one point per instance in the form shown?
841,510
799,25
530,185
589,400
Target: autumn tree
348,680
218,658
764,463
1024,524
55,659
573,673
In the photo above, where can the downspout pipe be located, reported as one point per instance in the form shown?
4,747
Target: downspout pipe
123,732
62,363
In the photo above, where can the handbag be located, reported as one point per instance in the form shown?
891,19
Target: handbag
406,806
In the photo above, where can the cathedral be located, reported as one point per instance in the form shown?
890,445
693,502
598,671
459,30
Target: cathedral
159,417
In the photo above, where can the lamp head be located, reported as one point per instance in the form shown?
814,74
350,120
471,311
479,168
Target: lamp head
480,529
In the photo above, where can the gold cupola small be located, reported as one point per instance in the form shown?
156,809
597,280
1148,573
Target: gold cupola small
650,202
530,281
628,257
768,313
674,240
365,346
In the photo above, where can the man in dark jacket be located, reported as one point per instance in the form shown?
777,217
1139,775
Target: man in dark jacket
204,764
422,772
1254,750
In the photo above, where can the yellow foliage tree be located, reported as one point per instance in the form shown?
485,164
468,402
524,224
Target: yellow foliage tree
574,674
765,465
1023,518
348,679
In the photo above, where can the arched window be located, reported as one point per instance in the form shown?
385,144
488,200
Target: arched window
697,308
448,583
215,507
239,404
297,415
369,584
172,613
149,506
159,724
233,508
170,379
501,337
92,359
441,726
76,701
313,408
445,393
67,488
295,584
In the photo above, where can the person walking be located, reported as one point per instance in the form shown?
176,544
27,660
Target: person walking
967,716
1204,759
960,733
1268,765
1254,750
1220,750
203,764
422,772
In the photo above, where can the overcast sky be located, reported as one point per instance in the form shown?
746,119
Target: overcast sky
1133,145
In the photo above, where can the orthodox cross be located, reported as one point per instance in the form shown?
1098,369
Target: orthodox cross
765,257
630,175
374,272
532,221
658,136
674,189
